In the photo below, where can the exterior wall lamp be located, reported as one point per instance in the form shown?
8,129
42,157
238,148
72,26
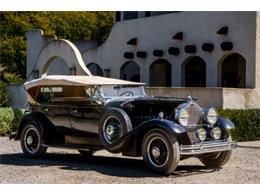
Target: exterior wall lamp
35,74
73,70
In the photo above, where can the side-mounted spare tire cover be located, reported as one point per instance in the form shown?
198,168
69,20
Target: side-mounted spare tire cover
114,123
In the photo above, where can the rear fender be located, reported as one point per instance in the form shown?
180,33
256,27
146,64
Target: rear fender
41,121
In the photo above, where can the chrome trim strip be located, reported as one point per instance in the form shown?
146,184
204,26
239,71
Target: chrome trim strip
207,147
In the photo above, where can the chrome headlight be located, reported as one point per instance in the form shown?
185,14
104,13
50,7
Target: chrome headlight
183,117
201,134
211,115
215,133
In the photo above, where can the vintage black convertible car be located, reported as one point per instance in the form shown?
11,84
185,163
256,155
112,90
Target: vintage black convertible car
91,113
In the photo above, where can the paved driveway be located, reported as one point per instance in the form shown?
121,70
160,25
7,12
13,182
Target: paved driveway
67,166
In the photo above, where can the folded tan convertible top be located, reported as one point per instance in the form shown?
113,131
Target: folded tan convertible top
62,80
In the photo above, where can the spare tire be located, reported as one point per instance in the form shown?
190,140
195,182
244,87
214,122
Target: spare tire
114,123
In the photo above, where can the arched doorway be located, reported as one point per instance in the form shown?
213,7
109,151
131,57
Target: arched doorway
58,66
130,71
160,73
69,53
194,72
233,71
95,69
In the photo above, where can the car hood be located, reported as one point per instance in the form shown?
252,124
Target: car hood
148,100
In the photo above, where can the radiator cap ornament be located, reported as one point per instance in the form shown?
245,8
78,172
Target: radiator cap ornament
190,99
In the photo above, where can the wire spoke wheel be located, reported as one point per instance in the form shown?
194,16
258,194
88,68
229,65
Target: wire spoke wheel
112,129
114,124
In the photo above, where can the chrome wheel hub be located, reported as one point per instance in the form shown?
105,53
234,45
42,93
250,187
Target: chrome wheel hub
110,130
29,140
156,152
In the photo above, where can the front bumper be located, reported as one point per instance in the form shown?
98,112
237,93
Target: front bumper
207,147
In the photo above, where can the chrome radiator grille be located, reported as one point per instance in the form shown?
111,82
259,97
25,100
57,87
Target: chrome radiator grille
195,113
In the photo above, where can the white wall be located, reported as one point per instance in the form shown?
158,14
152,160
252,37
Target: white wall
35,42
198,27
213,96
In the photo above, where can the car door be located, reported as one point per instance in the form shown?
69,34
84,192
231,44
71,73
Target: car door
56,110
58,114
85,115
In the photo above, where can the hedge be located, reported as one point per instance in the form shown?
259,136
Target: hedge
247,123
9,120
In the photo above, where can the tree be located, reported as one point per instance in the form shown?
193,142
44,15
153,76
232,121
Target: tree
67,25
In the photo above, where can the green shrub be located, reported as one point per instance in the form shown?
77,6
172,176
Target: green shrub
247,123
9,120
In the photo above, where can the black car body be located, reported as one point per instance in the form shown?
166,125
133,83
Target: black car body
90,113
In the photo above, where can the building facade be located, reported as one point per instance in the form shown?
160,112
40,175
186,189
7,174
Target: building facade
214,56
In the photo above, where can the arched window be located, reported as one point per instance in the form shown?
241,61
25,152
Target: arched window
233,71
160,73
95,69
194,72
130,71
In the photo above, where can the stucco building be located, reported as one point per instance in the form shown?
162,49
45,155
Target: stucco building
214,56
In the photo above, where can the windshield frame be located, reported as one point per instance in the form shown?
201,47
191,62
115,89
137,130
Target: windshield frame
141,87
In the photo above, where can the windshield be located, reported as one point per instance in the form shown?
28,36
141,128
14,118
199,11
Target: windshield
122,91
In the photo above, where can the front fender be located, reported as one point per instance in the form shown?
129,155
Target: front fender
225,124
136,136
167,125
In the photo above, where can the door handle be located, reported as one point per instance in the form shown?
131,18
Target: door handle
75,111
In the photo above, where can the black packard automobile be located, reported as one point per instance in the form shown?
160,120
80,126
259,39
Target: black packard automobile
91,113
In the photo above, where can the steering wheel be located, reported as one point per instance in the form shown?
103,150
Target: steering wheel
127,93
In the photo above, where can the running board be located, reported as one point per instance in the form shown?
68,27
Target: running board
74,146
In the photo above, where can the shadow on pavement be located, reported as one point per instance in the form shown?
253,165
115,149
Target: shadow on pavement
113,166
